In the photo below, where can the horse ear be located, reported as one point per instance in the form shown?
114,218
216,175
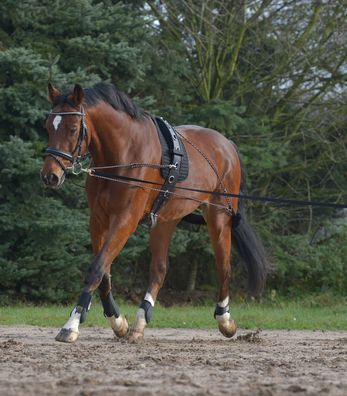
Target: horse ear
77,95
52,92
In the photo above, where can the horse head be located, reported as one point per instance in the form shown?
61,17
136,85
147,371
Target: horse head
68,138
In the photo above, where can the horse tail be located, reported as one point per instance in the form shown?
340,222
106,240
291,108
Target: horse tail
248,244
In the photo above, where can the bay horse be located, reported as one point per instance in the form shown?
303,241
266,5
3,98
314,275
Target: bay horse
106,123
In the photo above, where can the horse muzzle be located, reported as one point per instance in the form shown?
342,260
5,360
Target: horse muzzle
52,180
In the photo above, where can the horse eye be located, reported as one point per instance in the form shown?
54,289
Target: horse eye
73,130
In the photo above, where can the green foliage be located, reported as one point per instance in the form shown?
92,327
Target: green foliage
270,78
218,114
303,266
40,259
66,42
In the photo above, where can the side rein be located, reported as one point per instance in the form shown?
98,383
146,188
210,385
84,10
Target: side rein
74,159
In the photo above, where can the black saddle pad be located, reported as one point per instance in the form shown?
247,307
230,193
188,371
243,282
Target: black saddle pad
167,145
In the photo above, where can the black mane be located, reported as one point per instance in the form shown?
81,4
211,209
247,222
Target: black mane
104,92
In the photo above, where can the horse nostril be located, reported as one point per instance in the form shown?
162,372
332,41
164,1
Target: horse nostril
52,179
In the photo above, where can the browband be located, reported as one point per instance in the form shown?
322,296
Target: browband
67,113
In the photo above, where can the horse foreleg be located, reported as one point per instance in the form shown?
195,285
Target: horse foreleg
118,322
97,273
219,226
159,246
70,331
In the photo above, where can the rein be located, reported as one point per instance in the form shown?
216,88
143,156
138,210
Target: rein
92,171
134,182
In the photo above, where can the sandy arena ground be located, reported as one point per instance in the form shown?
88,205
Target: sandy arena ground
173,362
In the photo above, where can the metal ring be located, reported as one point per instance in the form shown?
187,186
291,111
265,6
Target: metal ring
76,168
171,179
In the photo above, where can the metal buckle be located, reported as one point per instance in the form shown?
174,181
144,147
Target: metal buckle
154,218
230,210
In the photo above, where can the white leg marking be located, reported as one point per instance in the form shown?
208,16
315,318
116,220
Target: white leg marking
224,303
74,321
56,121
116,323
149,298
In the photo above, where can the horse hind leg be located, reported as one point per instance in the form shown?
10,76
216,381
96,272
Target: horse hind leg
219,226
159,246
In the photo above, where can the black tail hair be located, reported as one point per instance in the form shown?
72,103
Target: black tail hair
249,246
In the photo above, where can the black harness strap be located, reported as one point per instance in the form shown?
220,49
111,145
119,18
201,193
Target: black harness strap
177,152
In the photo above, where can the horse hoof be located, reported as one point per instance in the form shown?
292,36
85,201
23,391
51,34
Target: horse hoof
67,335
135,337
123,329
227,328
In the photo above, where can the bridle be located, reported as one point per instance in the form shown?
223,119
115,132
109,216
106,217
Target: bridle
82,137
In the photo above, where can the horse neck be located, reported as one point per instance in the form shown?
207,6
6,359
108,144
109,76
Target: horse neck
115,137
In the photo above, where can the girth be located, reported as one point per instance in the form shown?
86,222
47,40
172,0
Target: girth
173,153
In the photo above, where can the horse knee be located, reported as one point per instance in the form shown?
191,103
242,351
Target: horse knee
162,267
95,274
227,275
160,271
